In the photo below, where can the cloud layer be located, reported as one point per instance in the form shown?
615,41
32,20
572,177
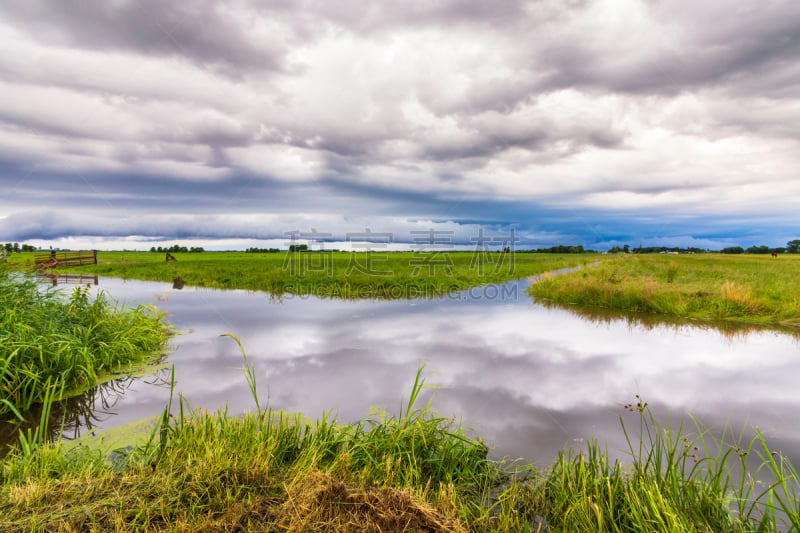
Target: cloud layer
595,121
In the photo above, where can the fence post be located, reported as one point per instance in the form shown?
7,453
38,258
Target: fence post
94,253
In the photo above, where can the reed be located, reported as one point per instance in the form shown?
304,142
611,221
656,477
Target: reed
49,343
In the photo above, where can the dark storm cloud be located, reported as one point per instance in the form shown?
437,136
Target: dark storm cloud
203,31
713,44
361,18
485,142
144,205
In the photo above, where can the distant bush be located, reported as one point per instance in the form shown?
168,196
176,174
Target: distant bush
759,250
177,248
561,249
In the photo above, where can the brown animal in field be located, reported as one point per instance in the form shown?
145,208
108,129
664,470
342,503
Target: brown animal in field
774,254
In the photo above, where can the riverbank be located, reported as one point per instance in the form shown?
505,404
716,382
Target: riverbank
52,346
416,471
384,275
747,289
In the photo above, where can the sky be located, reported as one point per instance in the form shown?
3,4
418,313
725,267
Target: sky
131,124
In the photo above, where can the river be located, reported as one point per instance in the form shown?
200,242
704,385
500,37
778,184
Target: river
529,379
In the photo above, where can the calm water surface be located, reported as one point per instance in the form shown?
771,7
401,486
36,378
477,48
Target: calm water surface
527,378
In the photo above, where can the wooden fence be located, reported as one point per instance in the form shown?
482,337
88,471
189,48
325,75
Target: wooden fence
58,259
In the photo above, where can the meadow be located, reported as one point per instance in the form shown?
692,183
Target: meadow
327,274
267,471
751,289
53,347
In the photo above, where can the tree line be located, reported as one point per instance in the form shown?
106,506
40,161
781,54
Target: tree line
16,247
792,247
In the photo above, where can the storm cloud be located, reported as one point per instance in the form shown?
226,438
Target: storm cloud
589,122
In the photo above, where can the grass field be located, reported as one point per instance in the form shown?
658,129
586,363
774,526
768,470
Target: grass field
751,289
335,274
413,472
53,347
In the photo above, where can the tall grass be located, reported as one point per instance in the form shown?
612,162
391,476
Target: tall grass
50,343
267,471
676,480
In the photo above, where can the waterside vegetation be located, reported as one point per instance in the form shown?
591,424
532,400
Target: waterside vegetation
265,471
748,289
53,347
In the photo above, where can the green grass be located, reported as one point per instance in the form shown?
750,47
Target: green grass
50,345
335,274
417,471
748,289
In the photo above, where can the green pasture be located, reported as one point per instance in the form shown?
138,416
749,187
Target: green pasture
753,289
328,274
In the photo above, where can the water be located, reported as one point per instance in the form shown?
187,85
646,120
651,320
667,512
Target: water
527,378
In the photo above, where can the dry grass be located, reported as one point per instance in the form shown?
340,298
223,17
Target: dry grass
740,296
317,502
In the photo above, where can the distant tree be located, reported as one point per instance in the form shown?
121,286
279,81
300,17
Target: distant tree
298,247
626,249
9,247
176,248
152,248
28,248
16,247
733,250
792,247
758,250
